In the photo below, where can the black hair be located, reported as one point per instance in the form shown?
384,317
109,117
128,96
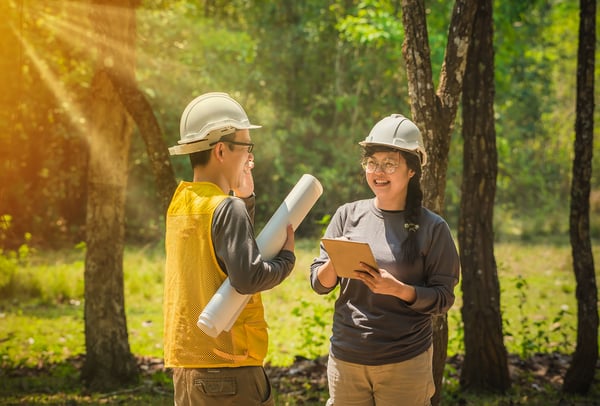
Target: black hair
414,200
412,214
201,158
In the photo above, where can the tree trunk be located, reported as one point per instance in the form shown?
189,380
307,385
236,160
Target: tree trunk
580,374
485,367
434,113
140,110
109,362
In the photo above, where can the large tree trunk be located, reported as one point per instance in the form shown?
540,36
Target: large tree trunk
109,362
434,113
580,374
141,111
485,366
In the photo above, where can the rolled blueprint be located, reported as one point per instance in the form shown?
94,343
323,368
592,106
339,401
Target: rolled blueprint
225,306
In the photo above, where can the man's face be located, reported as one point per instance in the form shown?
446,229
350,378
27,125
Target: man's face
239,157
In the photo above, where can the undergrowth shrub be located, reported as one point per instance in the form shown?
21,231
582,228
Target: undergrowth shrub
315,321
11,260
532,336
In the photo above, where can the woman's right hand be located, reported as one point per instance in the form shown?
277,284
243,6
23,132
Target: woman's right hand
327,275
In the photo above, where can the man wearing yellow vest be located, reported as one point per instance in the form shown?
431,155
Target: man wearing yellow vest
210,237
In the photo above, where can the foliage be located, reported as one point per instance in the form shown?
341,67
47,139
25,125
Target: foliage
535,142
11,260
375,22
42,154
314,321
534,335
315,74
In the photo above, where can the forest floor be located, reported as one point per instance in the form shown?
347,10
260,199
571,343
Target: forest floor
537,380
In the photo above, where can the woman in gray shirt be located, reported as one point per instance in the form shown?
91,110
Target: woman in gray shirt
381,344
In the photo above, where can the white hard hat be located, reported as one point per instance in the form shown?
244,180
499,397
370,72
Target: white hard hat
206,119
397,131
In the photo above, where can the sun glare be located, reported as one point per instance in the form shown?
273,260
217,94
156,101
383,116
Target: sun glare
54,84
58,37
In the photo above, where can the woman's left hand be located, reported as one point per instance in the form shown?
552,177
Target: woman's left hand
378,280
382,282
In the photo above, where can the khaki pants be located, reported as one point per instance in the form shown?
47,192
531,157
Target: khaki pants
242,386
405,383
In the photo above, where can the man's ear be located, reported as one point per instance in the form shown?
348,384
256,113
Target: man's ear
218,151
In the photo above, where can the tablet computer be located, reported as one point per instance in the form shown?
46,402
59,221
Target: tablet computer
345,255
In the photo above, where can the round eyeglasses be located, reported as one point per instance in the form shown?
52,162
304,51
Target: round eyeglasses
388,166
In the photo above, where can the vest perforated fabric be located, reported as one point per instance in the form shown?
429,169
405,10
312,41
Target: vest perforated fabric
192,276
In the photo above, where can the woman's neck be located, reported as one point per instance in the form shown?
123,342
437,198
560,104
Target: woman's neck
390,205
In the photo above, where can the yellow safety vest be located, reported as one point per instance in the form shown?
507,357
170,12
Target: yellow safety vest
192,276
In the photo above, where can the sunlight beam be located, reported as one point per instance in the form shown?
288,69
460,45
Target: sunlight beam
61,94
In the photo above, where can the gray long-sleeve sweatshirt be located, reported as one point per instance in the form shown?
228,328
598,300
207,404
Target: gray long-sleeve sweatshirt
377,329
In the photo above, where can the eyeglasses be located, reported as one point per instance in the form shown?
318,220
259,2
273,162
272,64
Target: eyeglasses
388,166
245,144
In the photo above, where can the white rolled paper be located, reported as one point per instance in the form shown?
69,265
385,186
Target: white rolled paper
292,211
225,306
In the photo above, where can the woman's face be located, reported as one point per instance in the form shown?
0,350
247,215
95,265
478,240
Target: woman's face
388,175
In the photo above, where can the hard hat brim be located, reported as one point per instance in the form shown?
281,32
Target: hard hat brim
420,152
185,149
208,142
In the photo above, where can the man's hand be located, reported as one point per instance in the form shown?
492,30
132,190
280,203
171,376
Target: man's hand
290,239
246,182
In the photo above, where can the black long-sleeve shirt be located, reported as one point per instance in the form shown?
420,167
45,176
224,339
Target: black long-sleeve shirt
237,252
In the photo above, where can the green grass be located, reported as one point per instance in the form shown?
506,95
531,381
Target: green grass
41,320
538,301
